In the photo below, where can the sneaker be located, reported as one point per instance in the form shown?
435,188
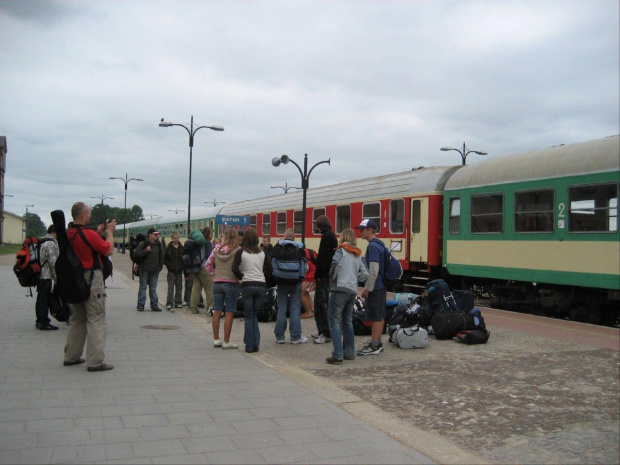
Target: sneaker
369,349
217,343
184,304
179,306
156,309
229,345
280,341
333,359
140,309
301,340
322,339
315,336
168,306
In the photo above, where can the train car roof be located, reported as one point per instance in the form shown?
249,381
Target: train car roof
595,156
392,186
197,212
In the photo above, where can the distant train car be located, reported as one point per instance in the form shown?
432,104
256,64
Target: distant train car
541,228
407,207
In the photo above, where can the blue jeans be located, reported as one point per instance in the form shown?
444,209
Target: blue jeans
225,296
252,297
340,311
148,278
289,298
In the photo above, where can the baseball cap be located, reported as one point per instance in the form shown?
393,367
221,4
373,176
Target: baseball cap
367,224
154,231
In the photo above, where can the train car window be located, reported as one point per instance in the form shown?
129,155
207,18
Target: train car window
266,224
281,222
343,218
416,216
454,222
593,208
397,216
534,211
372,211
298,217
487,214
253,222
315,214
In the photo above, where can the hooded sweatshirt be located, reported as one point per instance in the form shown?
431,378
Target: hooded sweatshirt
219,264
347,269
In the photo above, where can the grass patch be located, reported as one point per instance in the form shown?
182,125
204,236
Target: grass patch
8,249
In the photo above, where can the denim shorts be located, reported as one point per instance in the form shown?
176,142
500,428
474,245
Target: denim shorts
375,305
225,296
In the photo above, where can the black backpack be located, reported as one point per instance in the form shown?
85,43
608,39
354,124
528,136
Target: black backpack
134,260
289,264
192,257
71,286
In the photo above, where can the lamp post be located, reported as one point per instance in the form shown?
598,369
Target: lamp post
26,217
305,177
463,152
191,130
176,210
125,181
214,202
102,198
286,187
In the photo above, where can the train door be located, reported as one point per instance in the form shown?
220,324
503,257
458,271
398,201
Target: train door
418,236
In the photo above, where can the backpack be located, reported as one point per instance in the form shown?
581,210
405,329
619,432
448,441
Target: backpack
59,309
392,269
448,325
135,269
27,266
474,336
289,264
71,285
441,298
192,257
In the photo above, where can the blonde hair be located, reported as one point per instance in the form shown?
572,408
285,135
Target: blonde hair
231,238
348,236
289,234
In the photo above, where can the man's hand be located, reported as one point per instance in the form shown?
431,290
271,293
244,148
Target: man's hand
365,293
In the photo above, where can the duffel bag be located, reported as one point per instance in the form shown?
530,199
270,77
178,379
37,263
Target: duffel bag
475,336
447,325
411,338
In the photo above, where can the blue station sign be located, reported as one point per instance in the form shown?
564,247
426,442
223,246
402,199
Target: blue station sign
232,220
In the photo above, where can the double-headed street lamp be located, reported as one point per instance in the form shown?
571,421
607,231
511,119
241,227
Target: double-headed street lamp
191,130
102,198
305,177
463,152
176,210
125,181
214,202
286,187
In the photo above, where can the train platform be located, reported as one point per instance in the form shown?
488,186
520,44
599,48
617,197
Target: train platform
541,391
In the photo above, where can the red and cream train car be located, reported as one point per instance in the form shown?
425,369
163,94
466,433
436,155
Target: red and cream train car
407,206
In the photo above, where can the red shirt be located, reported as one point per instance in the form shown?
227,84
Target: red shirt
82,250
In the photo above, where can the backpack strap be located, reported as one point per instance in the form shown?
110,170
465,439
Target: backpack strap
95,258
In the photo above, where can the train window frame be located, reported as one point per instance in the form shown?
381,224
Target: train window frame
346,219
253,222
320,211
416,216
398,228
280,223
541,220
485,217
298,217
454,218
612,210
375,218
266,225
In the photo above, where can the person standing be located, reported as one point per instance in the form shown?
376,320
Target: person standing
346,271
87,323
173,260
252,266
289,252
266,245
200,252
374,292
225,287
45,282
327,247
308,285
151,251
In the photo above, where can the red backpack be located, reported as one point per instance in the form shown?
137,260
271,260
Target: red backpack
27,262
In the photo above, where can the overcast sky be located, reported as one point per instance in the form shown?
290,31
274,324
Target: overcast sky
376,86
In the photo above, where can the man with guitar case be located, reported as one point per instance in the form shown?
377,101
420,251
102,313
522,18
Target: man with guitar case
80,281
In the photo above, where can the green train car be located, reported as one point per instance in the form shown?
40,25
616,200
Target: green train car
539,230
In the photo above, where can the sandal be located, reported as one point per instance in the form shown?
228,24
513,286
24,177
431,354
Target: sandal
103,367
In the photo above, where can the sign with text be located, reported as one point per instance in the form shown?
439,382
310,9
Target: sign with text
232,220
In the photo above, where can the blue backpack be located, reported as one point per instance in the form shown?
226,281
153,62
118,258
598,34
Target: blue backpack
289,264
392,270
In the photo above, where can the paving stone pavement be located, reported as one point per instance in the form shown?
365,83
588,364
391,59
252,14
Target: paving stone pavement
171,398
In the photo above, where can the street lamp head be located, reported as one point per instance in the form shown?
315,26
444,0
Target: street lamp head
445,149
481,153
275,161
216,128
164,124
